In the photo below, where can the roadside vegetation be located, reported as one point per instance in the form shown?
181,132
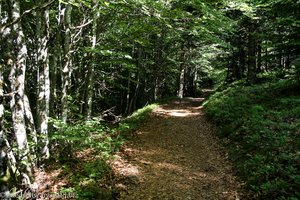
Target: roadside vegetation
82,151
260,124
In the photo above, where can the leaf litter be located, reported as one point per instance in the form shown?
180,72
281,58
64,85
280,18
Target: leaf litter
175,155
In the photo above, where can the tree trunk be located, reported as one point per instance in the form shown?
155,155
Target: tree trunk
287,61
91,69
132,105
156,89
259,60
7,158
32,130
3,156
66,63
280,65
128,95
242,62
181,81
251,55
56,64
53,73
18,114
42,33
266,60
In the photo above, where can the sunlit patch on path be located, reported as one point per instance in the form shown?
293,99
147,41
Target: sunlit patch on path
175,155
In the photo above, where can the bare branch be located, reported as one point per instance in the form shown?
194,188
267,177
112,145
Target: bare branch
8,94
82,25
3,27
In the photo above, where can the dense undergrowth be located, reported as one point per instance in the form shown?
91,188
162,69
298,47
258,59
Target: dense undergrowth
261,126
82,150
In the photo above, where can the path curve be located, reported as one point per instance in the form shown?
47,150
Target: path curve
174,156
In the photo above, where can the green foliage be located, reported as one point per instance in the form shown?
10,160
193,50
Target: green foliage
70,138
262,124
70,141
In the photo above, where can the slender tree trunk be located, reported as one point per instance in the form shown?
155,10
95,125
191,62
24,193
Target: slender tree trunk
132,105
3,155
7,158
42,33
259,60
53,72
11,159
128,95
91,69
195,86
242,62
182,73
266,60
56,64
181,79
251,55
235,67
3,162
32,130
156,89
287,61
18,114
66,63
158,64
280,59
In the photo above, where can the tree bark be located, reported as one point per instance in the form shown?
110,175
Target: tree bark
156,89
251,55
18,114
259,59
31,128
128,95
132,105
66,62
7,158
3,156
181,81
91,69
42,33
55,65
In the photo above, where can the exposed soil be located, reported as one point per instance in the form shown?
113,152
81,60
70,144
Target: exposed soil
175,155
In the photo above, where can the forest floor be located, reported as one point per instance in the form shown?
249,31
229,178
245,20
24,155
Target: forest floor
175,155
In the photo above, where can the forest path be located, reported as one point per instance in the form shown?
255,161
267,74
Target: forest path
175,155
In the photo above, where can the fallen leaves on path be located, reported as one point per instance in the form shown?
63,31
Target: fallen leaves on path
175,155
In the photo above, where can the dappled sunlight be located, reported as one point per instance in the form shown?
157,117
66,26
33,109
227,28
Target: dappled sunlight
188,107
176,113
169,166
172,176
174,156
195,111
49,181
121,167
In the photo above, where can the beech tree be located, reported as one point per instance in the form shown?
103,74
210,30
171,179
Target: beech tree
67,60
17,101
43,82
91,69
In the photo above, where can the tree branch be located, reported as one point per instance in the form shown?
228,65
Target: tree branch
3,27
82,25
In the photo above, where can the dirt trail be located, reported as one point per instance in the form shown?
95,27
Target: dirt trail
175,155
